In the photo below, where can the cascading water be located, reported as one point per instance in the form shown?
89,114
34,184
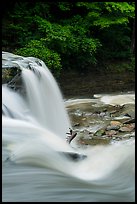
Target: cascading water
34,127
45,100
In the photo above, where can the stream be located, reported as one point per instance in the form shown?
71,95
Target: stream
37,165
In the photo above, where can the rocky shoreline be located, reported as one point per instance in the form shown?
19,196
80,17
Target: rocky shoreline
102,124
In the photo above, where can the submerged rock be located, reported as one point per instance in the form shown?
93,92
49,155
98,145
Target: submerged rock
74,156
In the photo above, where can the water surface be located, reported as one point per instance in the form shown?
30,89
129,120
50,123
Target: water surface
34,168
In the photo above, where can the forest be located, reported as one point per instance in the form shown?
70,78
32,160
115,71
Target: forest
72,35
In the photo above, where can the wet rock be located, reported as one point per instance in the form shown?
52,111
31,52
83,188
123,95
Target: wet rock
125,129
115,123
97,124
129,110
83,118
113,127
132,120
111,133
131,126
102,114
116,138
76,124
94,141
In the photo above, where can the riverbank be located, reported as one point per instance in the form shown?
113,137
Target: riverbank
84,85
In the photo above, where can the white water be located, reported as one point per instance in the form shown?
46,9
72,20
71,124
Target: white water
119,99
33,136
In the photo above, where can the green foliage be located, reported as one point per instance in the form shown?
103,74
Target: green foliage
116,44
125,8
70,41
36,49
64,6
70,35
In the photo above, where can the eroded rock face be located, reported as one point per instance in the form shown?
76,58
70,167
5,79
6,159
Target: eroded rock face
10,60
12,65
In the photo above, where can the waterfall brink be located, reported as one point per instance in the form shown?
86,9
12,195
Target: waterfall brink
43,97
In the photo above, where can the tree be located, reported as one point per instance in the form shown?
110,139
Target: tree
70,35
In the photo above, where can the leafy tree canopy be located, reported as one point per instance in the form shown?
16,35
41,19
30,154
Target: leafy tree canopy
70,35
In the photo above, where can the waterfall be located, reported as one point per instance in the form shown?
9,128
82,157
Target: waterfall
43,98
34,127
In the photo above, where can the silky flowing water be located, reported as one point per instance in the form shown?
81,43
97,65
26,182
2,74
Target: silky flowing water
34,166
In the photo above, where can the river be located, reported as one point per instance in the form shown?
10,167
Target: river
36,166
